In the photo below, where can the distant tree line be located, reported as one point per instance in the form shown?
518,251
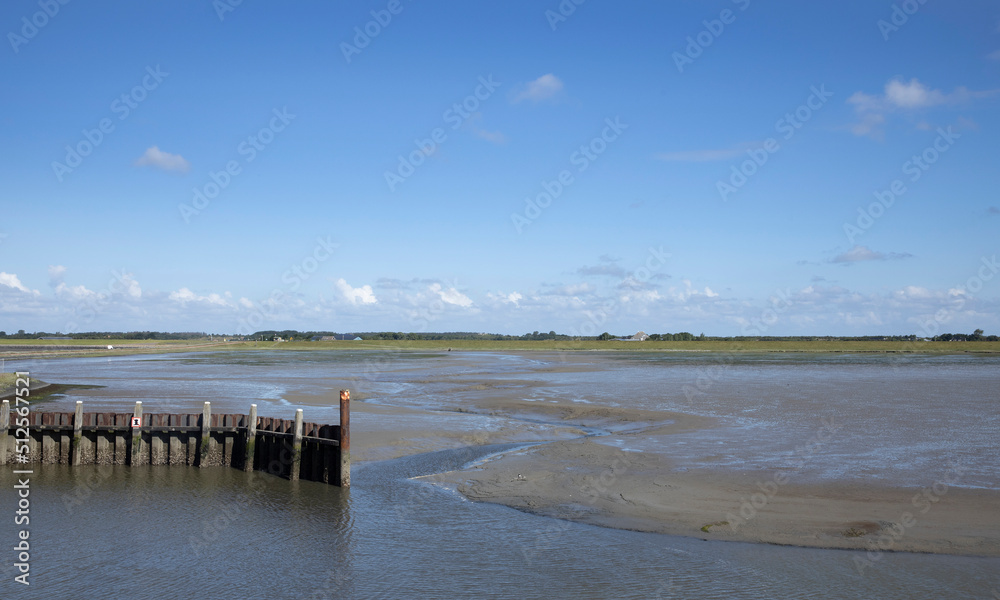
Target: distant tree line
461,335
295,335
116,335
975,336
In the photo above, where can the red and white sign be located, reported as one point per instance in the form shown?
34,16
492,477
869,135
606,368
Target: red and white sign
136,421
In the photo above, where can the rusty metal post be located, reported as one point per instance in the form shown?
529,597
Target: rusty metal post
293,474
345,438
251,439
76,448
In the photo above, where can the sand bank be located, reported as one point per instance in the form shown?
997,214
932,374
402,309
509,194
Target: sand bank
587,481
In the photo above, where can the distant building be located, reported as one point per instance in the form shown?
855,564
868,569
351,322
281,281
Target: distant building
338,337
638,337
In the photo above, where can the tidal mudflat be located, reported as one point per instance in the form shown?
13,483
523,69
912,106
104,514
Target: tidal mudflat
874,455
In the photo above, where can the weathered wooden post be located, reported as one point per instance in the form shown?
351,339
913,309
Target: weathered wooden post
293,475
251,439
136,435
345,438
206,434
76,447
4,426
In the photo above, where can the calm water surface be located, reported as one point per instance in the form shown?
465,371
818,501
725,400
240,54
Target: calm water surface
166,532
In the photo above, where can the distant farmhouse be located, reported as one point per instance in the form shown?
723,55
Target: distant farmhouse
638,337
338,337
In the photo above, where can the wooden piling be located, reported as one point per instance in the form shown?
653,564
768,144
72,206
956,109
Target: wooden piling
157,454
293,474
206,434
136,453
76,452
48,446
287,448
345,439
251,440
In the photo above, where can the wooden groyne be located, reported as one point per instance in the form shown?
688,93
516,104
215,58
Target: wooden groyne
287,448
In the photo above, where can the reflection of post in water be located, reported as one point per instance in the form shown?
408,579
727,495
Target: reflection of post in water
292,449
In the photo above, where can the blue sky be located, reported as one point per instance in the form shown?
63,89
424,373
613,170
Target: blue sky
505,167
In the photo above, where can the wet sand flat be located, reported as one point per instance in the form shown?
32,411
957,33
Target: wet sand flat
895,459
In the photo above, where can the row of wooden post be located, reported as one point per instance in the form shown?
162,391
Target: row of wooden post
344,439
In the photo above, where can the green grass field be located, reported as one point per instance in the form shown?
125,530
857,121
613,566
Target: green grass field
95,342
705,346
8,347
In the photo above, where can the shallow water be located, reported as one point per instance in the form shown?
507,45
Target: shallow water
220,533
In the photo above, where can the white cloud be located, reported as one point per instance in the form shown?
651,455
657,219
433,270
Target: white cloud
56,273
641,296
74,293
899,95
154,157
359,295
917,95
12,281
609,269
544,88
864,253
132,288
495,137
690,292
451,295
702,155
513,298
573,289
184,296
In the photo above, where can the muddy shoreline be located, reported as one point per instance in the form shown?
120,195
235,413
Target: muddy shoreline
571,469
